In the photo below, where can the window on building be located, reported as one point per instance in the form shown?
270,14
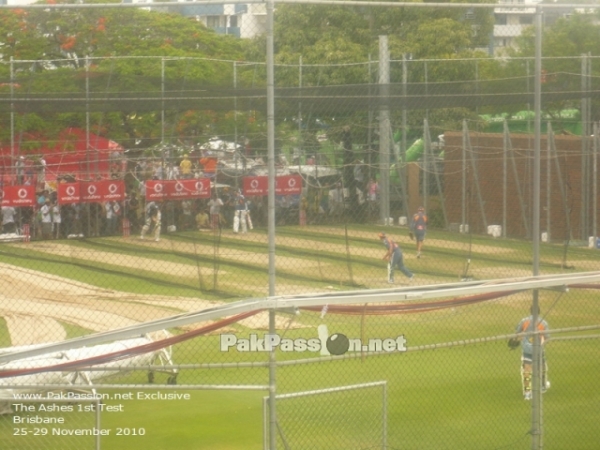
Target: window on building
501,19
526,20
215,21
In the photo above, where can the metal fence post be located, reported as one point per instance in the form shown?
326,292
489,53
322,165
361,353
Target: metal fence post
271,216
384,128
536,403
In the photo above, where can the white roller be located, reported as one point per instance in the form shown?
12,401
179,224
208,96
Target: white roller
83,377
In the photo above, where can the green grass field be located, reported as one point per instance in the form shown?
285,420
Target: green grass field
466,395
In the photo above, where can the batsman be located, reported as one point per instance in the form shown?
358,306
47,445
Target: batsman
153,221
526,326
394,258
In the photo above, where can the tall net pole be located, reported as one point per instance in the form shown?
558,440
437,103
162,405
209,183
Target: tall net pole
271,216
536,406
384,128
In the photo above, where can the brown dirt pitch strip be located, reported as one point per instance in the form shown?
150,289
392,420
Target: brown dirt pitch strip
36,305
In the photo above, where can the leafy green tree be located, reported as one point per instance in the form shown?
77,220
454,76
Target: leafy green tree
564,41
68,38
329,35
336,42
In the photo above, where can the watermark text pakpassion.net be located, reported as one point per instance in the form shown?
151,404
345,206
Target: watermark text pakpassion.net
325,344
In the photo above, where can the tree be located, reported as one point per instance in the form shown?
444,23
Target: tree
336,43
563,43
328,35
63,39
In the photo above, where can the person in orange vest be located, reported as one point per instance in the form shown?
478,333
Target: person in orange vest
418,228
526,342
209,165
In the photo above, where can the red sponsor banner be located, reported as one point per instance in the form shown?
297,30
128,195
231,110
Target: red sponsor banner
17,196
255,186
91,191
284,185
67,193
177,189
102,191
288,185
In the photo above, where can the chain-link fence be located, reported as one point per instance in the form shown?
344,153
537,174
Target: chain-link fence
316,226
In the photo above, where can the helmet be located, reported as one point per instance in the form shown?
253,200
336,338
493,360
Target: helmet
381,235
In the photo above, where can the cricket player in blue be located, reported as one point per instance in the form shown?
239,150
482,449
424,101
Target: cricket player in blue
394,258
418,226
241,212
526,326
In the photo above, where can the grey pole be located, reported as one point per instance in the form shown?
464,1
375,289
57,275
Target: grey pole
271,216
162,120
561,184
537,141
271,146
464,183
473,158
517,182
401,167
370,124
504,178
477,85
589,128
438,182
300,103
548,181
235,114
425,155
595,185
426,86
384,128
584,147
87,111
591,150
12,117
162,96
404,171
425,187
536,403
300,142
384,443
